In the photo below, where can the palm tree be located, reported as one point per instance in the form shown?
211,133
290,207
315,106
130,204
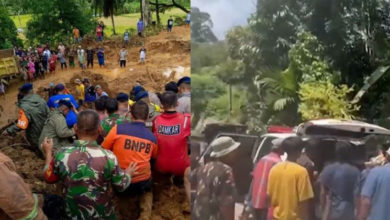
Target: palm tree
277,92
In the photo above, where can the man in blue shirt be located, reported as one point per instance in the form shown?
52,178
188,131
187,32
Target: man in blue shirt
71,118
374,204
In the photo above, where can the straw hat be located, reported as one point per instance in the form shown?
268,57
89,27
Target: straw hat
223,146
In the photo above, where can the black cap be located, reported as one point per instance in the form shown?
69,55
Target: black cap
171,86
66,103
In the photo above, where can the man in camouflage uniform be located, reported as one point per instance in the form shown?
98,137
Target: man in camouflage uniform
87,171
214,183
113,117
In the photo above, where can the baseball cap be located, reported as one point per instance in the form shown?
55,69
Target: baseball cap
26,87
122,97
185,79
171,86
141,95
66,103
60,87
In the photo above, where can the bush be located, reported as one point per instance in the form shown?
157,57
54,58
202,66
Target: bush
53,20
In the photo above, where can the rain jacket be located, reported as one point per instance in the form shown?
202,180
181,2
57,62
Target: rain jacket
16,199
57,129
33,113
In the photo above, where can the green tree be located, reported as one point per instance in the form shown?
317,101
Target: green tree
201,27
322,99
206,88
52,21
8,36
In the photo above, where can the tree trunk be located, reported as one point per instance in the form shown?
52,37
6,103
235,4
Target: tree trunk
158,12
113,24
146,13
141,9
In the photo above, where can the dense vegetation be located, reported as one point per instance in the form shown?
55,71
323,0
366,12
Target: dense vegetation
299,60
47,21
8,36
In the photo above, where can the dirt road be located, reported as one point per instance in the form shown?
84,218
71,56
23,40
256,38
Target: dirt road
168,58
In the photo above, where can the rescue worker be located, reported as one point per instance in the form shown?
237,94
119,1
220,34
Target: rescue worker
113,116
53,101
133,142
87,172
144,96
123,104
154,99
33,112
184,85
173,130
16,199
56,128
214,182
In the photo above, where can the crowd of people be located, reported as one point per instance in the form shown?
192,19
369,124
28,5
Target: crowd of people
294,187
91,141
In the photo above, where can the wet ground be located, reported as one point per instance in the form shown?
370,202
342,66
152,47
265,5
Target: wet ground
167,59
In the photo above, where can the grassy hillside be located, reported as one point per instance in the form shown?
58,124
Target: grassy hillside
122,22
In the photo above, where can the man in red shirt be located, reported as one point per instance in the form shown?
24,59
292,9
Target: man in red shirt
260,180
173,130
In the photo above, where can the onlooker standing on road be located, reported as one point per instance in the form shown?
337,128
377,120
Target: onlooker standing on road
90,93
62,58
170,24
289,187
80,92
123,57
81,57
142,55
99,33
90,55
374,204
76,35
71,58
99,92
100,56
339,184
260,180
188,18
61,48
87,172
126,37
140,27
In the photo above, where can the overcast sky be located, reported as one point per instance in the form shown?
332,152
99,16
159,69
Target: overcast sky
226,13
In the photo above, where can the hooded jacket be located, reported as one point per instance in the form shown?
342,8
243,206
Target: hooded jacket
36,111
57,129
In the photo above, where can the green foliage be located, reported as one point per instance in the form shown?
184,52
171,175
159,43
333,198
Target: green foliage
307,59
130,7
206,88
206,55
218,108
8,36
322,99
52,21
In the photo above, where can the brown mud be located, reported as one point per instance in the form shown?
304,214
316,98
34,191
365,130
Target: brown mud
165,51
